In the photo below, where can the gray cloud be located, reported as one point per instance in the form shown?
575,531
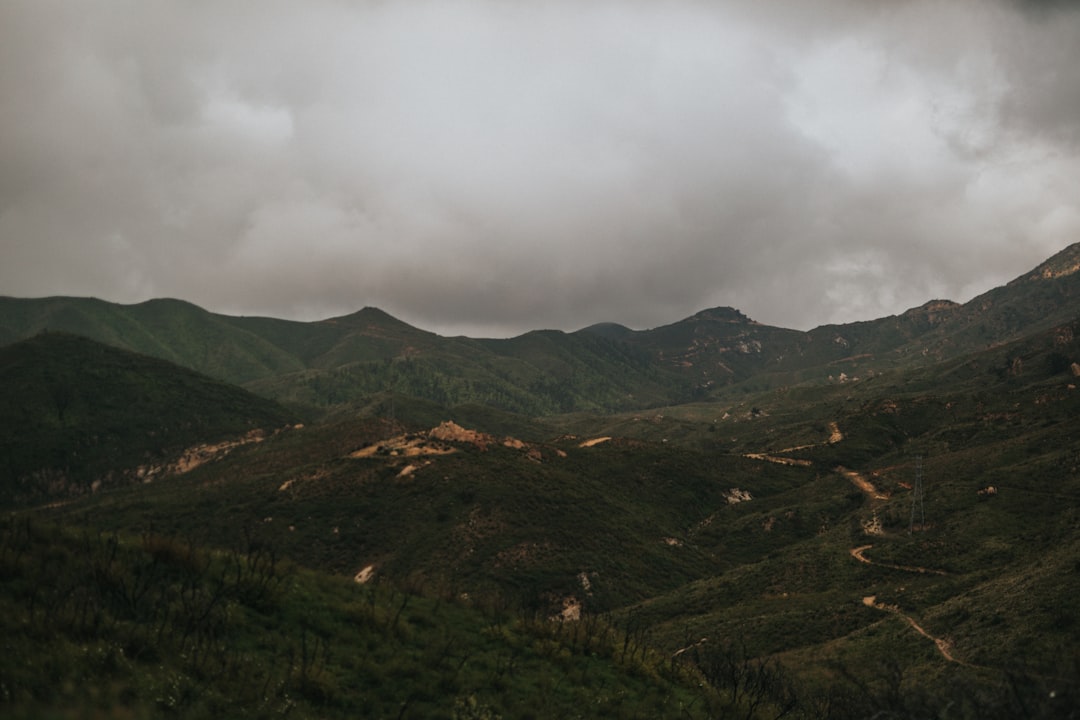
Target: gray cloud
488,168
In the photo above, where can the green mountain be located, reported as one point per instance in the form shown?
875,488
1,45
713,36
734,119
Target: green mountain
721,347
713,518
346,359
168,329
782,533
77,416
603,367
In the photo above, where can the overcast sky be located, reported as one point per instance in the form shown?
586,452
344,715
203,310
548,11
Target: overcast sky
491,167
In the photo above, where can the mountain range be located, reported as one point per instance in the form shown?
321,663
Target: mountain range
209,515
604,367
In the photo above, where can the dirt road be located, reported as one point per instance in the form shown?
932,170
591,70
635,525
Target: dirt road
859,480
859,554
944,646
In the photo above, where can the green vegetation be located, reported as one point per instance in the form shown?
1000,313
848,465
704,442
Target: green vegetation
711,519
717,354
76,415
99,624
345,360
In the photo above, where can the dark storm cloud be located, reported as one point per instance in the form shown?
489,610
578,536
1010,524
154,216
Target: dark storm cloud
489,167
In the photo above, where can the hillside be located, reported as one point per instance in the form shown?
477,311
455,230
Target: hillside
347,359
885,526
604,367
721,350
168,329
77,416
105,625
782,528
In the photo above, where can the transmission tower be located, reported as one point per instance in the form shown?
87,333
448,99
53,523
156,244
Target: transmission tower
917,498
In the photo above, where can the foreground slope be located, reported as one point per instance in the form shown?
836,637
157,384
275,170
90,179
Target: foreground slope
103,625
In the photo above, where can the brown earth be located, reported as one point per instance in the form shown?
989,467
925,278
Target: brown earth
203,453
859,481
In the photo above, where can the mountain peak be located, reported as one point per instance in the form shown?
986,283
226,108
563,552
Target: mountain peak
1063,263
722,314
932,309
609,330
367,316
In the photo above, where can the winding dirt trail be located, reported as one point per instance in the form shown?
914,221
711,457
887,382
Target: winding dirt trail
835,436
779,460
860,481
859,554
944,646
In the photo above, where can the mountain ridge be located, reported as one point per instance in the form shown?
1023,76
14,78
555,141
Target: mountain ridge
1061,264
345,358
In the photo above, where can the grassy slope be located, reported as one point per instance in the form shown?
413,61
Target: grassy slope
73,411
1007,604
106,626
646,521
648,524
477,520
172,330
344,360
712,354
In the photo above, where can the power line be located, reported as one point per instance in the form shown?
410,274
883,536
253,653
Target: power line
917,498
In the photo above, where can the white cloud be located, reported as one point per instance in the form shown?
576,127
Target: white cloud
507,166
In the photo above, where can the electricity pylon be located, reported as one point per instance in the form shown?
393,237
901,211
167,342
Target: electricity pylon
917,498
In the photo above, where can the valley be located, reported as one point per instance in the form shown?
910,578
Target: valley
714,518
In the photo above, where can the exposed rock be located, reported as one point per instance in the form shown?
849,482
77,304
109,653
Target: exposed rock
872,526
408,470
735,496
403,446
571,610
198,455
934,311
586,584
452,432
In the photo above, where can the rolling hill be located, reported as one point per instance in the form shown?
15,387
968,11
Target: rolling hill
778,533
77,416
713,518
601,368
